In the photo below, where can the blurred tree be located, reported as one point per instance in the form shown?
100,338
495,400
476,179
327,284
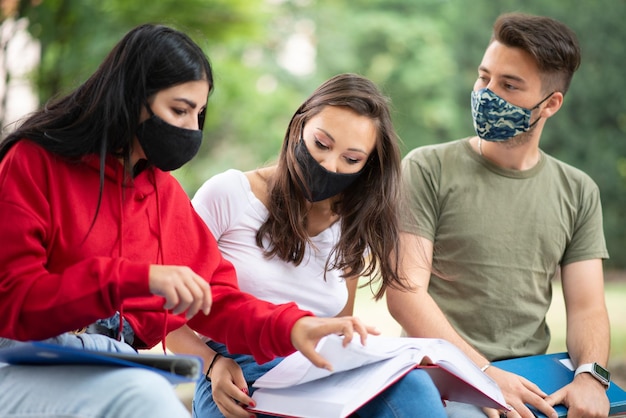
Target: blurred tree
269,55
76,34
425,54
404,48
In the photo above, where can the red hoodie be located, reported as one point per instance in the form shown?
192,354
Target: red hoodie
56,275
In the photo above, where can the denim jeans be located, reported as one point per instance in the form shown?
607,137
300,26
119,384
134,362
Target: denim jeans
413,396
112,326
85,391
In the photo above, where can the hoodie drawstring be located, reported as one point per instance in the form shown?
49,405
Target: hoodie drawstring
120,333
160,252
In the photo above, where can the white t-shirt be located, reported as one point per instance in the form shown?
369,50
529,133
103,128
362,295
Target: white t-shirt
234,214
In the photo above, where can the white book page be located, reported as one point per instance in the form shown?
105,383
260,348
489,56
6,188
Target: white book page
297,369
336,395
362,371
448,356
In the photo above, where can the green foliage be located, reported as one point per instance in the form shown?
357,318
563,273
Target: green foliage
75,35
402,49
423,54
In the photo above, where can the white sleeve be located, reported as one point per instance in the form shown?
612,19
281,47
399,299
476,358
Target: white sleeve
219,200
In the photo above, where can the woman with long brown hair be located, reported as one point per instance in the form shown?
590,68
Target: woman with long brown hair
305,230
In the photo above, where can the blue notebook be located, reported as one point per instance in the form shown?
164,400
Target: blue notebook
553,371
175,368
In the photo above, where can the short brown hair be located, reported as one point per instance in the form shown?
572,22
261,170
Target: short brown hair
552,44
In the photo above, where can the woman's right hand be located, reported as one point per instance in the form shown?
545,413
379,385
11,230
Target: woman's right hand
182,289
309,330
229,388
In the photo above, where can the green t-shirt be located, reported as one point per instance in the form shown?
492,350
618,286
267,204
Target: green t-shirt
499,237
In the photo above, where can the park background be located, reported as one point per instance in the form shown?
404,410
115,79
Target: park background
269,55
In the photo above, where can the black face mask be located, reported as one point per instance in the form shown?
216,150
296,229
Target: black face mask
166,146
321,183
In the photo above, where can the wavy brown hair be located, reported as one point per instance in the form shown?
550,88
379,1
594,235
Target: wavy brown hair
368,209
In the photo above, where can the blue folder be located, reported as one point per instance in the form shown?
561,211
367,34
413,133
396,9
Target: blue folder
175,368
550,374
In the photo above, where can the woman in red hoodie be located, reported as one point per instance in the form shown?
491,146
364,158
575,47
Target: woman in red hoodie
98,236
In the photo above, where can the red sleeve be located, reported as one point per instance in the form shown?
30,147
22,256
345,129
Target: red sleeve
243,322
39,301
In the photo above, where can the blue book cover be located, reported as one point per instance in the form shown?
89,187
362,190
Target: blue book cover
553,371
175,368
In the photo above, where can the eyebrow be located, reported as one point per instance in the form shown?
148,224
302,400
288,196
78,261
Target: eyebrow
191,103
333,139
506,76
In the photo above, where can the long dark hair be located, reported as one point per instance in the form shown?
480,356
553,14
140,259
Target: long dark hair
368,208
101,116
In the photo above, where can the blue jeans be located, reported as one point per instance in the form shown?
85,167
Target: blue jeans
415,395
86,391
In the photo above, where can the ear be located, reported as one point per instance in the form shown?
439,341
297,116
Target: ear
552,105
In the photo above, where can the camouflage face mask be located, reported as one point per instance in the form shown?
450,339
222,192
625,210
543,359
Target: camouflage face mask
495,119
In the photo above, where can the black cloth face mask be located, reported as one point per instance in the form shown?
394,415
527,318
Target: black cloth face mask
166,146
320,183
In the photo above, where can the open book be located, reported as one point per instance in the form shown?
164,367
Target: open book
296,388
175,368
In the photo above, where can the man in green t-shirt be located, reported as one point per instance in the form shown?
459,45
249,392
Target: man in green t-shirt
495,219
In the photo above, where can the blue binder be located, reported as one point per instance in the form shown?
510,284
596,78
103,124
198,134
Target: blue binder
175,368
550,374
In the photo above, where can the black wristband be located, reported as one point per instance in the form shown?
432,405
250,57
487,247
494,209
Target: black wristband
206,376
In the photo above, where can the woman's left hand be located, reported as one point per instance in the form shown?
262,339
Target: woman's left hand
309,330
229,388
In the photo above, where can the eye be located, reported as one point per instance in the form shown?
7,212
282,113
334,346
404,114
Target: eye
509,86
319,144
353,161
179,111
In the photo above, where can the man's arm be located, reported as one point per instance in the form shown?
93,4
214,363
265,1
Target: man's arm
588,337
420,316
588,333
416,311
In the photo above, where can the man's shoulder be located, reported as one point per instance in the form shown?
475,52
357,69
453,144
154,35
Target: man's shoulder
436,150
568,171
